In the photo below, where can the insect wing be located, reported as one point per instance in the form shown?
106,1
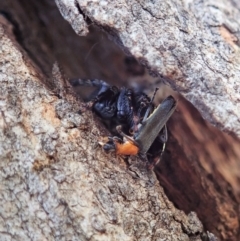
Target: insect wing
151,127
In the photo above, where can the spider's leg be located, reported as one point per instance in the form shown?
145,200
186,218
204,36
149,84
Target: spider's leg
99,86
88,82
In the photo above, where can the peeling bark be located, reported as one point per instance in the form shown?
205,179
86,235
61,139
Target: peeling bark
194,45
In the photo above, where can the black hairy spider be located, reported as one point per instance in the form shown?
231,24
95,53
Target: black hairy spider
138,127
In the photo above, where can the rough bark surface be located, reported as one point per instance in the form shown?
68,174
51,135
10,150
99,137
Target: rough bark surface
56,184
200,168
194,44
200,171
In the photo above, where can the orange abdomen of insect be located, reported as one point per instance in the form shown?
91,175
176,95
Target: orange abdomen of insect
127,148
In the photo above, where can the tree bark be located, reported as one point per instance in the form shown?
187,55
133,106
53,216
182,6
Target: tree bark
194,45
57,184
199,170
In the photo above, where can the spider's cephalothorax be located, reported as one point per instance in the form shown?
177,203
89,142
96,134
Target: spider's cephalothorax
139,127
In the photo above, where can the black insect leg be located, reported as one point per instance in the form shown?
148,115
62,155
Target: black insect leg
128,138
149,109
110,145
162,138
88,82
141,103
99,85
163,135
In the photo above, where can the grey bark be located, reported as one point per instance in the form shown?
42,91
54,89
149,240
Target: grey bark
199,169
56,183
194,45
